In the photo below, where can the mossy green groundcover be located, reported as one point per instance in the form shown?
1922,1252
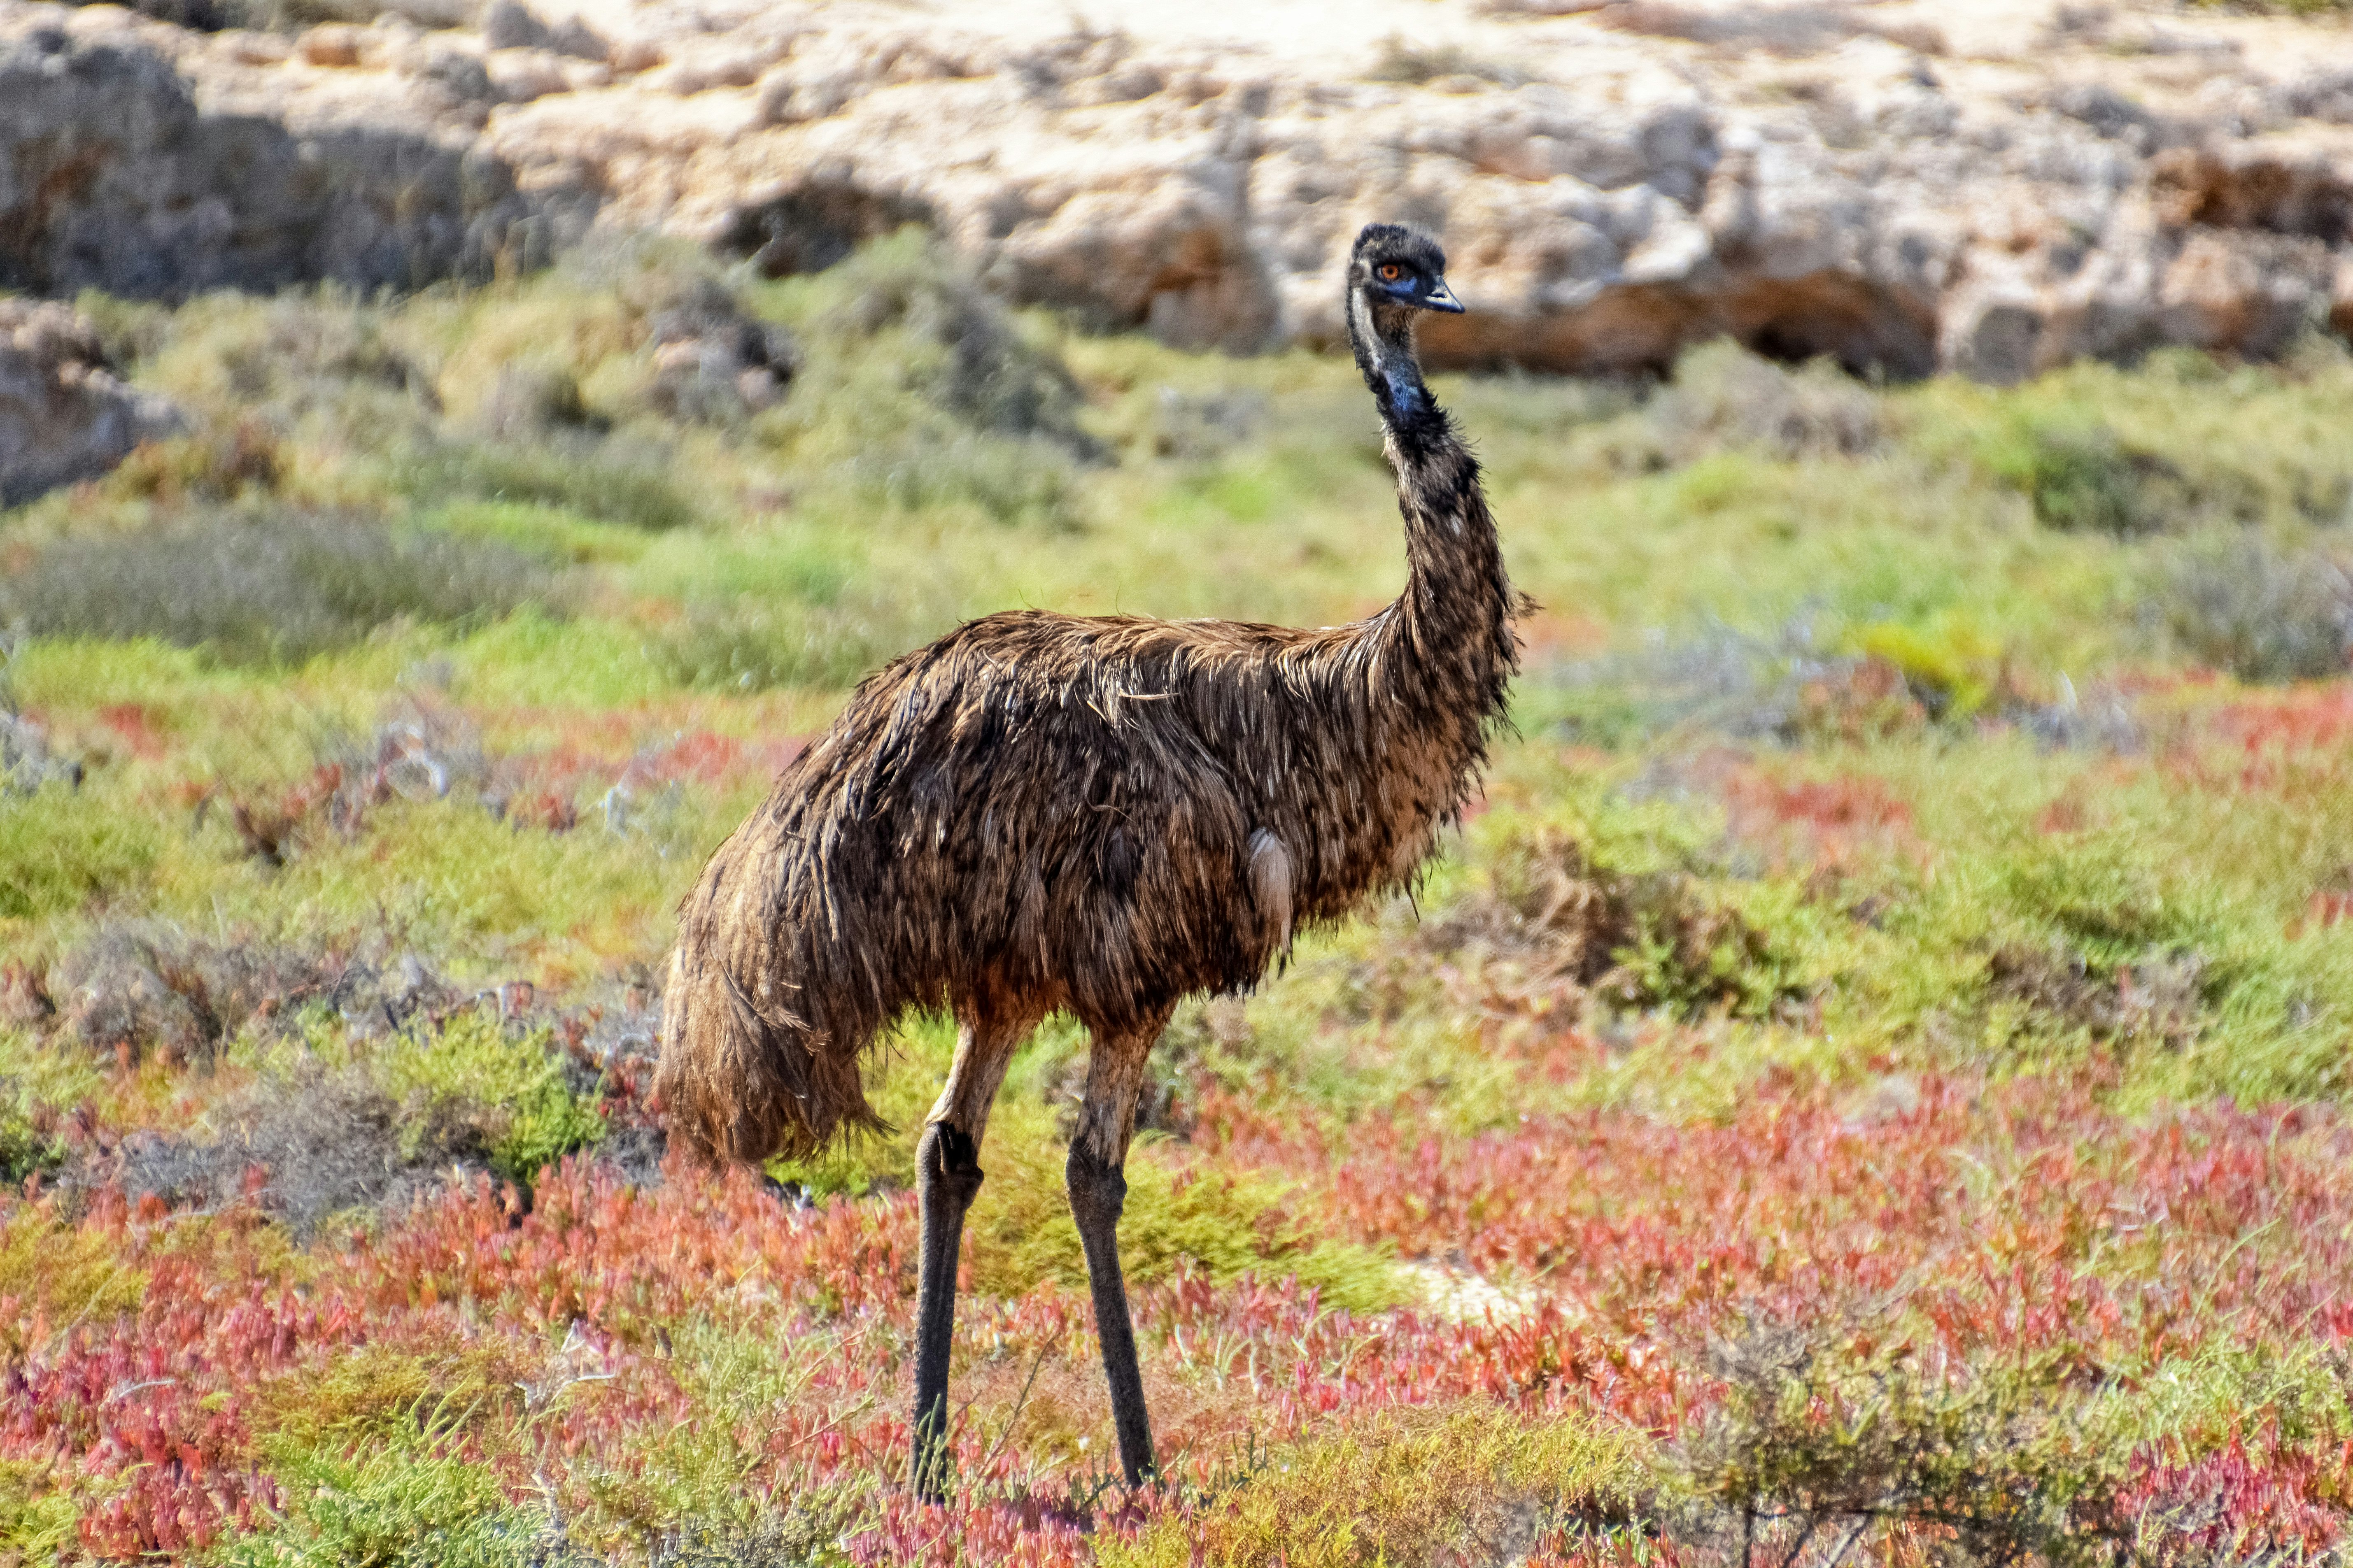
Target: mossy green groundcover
1868,1084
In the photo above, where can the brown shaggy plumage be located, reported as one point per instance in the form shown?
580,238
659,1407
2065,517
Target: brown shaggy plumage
1101,813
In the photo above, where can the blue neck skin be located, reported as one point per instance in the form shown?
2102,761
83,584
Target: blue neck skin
1388,366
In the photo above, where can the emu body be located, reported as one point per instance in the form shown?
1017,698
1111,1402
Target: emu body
1100,813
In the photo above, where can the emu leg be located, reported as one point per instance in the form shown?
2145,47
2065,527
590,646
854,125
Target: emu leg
1098,1192
947,1175
947,1163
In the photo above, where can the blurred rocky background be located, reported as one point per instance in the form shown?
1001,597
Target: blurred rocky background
1989,186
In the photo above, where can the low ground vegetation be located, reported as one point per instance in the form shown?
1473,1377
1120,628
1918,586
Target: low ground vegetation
267,586
1869,1083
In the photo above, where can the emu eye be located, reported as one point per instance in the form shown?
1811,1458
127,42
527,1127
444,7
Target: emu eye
1390,272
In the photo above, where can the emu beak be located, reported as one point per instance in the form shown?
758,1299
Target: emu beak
1441,297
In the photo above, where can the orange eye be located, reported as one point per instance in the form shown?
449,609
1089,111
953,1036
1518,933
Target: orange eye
1390,272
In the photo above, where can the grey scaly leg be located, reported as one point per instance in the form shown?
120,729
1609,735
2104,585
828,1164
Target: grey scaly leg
948,1174
947,1177
1098,1192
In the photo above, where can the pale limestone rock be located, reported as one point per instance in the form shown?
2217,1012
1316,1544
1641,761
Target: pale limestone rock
153,161
1993,186
520,75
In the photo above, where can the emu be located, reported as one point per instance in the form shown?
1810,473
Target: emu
1101,814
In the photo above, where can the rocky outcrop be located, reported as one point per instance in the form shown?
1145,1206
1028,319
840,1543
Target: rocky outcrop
63,414
1991,186
149,161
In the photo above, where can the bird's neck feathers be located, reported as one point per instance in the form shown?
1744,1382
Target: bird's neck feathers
1382,335
1452,625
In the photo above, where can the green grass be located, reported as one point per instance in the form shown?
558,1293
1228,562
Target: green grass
1416,1488
1875,734
396,1497
473,1066
68,1276
709,1471
1180,1214
1217,1224
35,1520
59,854
1985,546
267,586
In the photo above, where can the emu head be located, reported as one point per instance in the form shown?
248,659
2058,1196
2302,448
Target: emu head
1394,273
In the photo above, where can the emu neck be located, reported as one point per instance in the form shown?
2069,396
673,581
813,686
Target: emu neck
1450,649
1382,336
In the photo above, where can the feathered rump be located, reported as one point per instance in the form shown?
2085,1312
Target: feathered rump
744,1074
1105,815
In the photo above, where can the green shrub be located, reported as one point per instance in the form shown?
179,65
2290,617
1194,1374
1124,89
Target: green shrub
529,402
512,1087
24,1149
2085,482
37,1518
62,1271
1952,669
42,1079
215,465
611,480
1013,480
1225,1225
2081,477
1821,1436
1848,1434
439,1378
400,1496
1723,395
2254,611
60,850
1645,939
315,344
35,1086
2101,893
266,587
386,1455
750,644
956,343
698,1486
1470,1483
306,363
